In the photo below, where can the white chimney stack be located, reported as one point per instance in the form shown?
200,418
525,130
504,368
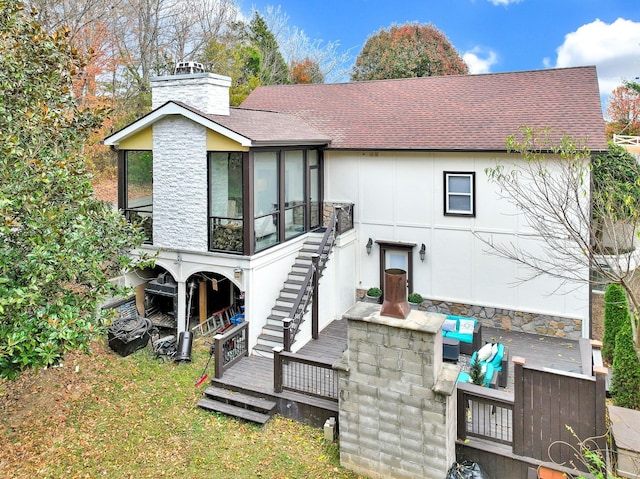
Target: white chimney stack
206,92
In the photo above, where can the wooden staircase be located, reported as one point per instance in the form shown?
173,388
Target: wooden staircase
273,332
236,404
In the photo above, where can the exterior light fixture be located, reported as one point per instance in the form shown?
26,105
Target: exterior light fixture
369,246
422,252
237,272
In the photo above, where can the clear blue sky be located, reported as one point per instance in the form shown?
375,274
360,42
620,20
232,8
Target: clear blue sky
491,35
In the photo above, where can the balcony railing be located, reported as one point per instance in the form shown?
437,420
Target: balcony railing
230,347
484,413
303,375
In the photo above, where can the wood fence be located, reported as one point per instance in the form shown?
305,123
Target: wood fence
541,422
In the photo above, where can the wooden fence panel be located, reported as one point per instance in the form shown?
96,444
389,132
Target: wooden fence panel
547,401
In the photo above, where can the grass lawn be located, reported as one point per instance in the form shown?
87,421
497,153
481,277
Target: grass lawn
102,415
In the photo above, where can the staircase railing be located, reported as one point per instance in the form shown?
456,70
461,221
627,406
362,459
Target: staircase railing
310,285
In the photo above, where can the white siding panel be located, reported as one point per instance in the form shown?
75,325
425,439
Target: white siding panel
399,197
452,263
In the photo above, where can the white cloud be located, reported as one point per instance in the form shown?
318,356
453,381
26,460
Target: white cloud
480,60
614,49
503,2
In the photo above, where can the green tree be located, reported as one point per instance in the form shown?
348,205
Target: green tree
625,377
273,68
60,246
233,56
616,316
406,51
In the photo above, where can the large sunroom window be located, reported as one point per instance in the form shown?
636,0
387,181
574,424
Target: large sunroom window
266,204
294,206
138,202
225,201
262,198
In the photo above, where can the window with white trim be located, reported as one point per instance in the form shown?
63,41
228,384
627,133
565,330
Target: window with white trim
459,193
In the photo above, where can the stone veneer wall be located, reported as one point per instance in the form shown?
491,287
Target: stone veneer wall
397,403
179,184
510,320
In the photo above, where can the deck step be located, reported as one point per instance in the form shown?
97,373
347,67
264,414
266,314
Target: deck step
234,411
263,350
258,404
273,329
270,340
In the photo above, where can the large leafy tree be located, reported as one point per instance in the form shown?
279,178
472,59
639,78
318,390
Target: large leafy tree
60,246
305,72
406,51
623,110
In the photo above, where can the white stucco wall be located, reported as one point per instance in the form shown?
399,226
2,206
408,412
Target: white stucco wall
399,197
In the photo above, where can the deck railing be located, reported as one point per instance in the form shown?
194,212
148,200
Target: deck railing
485,413
307,376
230,347
308,290
345,217
626,140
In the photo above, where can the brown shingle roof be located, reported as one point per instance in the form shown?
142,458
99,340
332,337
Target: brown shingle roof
266,127
466,112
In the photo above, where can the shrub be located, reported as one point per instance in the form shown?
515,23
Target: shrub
415,298
625,380
616,315
374,292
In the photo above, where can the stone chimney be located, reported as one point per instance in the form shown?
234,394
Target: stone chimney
206,92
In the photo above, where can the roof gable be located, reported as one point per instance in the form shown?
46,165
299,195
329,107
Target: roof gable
243,126
465,112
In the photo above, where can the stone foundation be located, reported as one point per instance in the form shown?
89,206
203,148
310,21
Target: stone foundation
510,320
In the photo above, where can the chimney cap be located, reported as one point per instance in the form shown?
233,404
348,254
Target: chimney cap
183,68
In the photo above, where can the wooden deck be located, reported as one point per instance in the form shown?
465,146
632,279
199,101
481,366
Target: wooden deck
538,350
256,373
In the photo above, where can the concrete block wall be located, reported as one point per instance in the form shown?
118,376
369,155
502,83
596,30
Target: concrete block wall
179,184
397,402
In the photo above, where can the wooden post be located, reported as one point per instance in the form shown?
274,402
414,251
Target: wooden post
461,414
202,301
600,404
218,355
140,298
286,324
277,369
315,259
518,405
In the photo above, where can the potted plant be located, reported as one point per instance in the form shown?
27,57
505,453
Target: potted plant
374,295
415,300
